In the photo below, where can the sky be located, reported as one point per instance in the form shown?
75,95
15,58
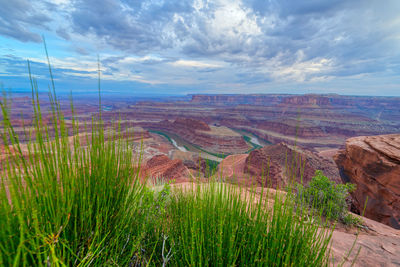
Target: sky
172,47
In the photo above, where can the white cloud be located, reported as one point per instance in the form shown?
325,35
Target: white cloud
194,64
302,71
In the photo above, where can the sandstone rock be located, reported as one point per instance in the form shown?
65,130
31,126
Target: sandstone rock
309,100
373,164
192,124
379,245
278,165
160,166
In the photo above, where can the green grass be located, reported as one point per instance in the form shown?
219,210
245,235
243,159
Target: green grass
67,204
219,225
64,203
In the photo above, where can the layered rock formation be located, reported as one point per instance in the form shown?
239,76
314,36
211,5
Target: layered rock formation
267,100
373,164
312,121
309,100
278,165
162,167
136,133
211,138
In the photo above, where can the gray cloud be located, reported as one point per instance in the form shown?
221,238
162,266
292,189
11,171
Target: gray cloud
256,41
63,33
18,17
250,33
130,26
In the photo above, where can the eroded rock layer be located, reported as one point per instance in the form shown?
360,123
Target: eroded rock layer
162,167
373,164
279,165
211,138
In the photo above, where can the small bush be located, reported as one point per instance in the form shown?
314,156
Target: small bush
350,219
326,196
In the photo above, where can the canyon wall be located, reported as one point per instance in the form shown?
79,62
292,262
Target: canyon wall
373,164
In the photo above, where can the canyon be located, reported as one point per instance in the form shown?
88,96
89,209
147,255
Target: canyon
176,138
263,141
217,123
317,122
215,139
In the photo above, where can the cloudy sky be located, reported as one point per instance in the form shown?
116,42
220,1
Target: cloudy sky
199,46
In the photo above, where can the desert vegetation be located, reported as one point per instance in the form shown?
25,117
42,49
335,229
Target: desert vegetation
331,199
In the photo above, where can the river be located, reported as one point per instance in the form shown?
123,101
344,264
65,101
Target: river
181,148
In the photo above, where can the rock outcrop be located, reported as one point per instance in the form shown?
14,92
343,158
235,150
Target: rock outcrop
378,245
373,164
278,165
162,167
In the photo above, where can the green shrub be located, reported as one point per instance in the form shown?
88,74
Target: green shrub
326,196
211,167
350,219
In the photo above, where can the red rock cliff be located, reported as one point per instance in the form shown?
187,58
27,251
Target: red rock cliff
373,164
282,163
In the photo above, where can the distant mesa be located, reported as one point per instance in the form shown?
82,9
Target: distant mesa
307,101
373,164
248,99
